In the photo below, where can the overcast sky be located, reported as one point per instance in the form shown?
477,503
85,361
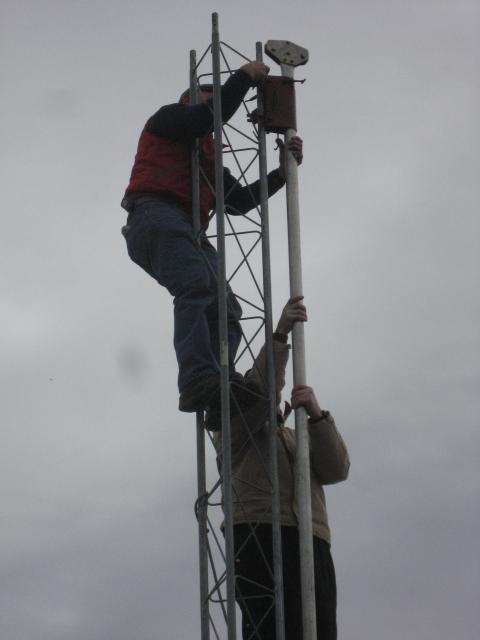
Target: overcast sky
98,537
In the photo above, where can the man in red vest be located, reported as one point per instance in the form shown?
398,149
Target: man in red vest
160,237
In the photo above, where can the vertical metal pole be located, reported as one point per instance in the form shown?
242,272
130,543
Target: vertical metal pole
195,148
302,458
267,292
223,334
201,469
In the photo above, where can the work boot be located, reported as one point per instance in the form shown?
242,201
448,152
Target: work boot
199,394
243,395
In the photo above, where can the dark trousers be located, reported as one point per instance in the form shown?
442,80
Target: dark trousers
254,584
160,239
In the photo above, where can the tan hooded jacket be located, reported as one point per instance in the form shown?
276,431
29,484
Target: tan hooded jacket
252,493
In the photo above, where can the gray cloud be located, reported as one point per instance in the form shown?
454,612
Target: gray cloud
98,477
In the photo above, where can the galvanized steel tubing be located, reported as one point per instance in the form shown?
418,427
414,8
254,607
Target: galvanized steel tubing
267,294
302,458
201,506
223,335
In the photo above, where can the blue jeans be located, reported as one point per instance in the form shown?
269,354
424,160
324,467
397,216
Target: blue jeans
160,239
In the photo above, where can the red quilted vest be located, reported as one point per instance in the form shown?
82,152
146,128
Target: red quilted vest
163,166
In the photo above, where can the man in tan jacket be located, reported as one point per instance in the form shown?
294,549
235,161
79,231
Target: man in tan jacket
252,491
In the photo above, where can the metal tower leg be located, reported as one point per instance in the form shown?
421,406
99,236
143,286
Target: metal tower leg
201,471
267,292
223,333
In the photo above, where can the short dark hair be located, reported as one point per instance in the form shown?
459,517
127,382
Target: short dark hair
207,88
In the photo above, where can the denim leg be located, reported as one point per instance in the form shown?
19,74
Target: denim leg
234,311
160,239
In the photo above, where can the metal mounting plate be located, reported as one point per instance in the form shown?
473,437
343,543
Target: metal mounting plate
286,52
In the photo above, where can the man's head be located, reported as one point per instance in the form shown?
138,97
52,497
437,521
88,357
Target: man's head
204,92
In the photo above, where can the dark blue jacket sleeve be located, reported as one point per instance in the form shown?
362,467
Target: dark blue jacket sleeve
240,199
183,122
